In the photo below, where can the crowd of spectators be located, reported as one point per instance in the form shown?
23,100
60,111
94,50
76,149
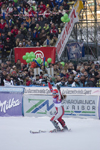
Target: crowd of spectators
84,74
29,23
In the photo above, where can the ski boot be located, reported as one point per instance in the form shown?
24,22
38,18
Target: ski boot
65,128
57,128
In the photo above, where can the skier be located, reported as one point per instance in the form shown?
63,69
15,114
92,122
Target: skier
57,99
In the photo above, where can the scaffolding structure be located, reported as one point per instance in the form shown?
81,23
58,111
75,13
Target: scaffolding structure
87,30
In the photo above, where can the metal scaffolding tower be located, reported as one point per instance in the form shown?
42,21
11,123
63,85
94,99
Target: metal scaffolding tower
87,30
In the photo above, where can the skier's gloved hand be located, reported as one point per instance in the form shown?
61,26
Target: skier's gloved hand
58,87
48,79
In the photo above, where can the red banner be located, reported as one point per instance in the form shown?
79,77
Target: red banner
47,52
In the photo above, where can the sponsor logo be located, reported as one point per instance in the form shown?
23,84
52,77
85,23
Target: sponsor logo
38,106
40,54
8,104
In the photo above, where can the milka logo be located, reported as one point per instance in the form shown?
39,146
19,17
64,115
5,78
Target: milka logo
40,54
9,104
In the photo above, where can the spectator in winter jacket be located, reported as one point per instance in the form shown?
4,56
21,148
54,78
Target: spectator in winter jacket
46,28
51,3
59,3
15,11
70,82
32,23
23,30
7,47
2,25
6,29
8,81
29,34
10,8
91,82
1,48
35,36
32,12
14,31
47,41
19,36
41,21
12,38
54,40
25,23
47,12
53,31
42,36
65,6
42,6
3,37
38,28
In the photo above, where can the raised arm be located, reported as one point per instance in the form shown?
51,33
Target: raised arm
50,87
59,92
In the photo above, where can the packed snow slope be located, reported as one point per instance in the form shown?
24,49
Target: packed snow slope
15,135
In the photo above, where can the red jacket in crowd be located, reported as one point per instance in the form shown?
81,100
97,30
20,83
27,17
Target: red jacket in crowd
2,25
42,7
14,31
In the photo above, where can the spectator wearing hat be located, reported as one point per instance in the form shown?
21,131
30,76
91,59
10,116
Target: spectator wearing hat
7,47
20,44
76,82
14,78
47,12
35,37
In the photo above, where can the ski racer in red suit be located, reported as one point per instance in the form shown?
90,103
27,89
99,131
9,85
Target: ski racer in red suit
57,99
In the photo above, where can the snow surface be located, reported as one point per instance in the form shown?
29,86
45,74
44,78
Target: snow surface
15,135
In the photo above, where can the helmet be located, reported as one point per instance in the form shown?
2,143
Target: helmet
55,92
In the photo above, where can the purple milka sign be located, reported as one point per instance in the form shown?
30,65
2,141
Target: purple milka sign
11,104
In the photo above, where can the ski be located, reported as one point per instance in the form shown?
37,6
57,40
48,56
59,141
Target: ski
51,131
